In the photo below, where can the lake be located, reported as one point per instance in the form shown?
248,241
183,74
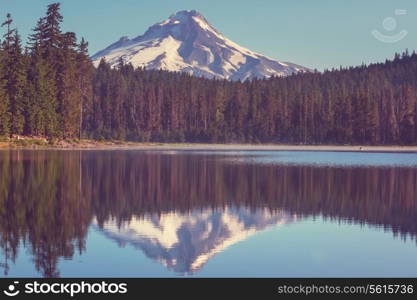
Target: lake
168,213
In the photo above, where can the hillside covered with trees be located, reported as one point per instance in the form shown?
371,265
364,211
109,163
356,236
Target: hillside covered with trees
50,89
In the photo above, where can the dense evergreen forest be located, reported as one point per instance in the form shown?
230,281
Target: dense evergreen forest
51,89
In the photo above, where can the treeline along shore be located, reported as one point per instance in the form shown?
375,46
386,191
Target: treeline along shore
49,89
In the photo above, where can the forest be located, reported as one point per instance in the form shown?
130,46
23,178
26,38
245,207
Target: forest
49,88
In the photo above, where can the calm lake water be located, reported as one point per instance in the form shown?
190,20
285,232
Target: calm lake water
132,213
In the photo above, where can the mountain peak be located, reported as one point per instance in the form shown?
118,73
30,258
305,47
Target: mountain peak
185,13
187,42
188,18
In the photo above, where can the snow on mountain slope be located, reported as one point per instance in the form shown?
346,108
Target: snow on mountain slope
186,42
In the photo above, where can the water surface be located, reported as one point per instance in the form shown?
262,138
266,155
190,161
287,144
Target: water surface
133,213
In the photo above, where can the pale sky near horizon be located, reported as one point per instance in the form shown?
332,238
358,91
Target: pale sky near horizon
317,34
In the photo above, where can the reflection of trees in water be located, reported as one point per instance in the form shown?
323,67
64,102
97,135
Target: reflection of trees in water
41,206
48,198
155,183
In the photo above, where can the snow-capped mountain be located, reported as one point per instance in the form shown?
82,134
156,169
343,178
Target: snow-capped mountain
186,42
184,242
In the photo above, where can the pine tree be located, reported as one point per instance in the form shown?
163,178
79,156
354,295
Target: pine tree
52,35
14,76
41,91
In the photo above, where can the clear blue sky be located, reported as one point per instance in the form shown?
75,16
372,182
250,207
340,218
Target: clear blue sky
315,33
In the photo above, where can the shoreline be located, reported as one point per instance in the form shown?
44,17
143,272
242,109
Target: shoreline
95,145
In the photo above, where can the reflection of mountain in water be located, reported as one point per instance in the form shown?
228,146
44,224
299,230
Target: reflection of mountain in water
184,242
48,200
